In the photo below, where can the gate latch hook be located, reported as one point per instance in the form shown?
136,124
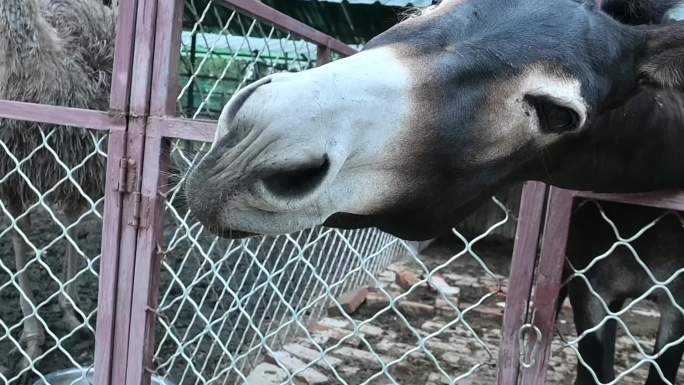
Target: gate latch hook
528,347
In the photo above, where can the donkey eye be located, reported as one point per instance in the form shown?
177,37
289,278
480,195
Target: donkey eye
554,118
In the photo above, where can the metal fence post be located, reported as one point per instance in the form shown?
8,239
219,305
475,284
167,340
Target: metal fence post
107,357
323,55
549,279
262,11
163,88
125,344
161,126
521,279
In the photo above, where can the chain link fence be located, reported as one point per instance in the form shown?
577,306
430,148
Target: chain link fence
52,185
224,304
51,207
228,310
622,277
323,305
225,50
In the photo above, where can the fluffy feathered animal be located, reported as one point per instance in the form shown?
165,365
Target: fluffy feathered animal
57,52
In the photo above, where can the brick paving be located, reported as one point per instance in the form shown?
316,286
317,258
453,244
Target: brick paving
388,345
359,355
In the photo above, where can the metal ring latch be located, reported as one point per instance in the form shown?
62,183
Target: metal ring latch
527,355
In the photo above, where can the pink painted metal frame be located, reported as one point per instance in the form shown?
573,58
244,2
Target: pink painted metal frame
114,122
158,36
548,279
521,279
142,120
552,236
63,116
544,218
263,12
163,90
140,123
107,338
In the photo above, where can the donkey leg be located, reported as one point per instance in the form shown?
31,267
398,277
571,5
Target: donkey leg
33,334
71,266
671,329
597,348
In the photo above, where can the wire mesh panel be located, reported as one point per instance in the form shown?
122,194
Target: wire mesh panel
222,303
223,51
328,306
623,282
432,318
225,304
60,57
51,205
322,305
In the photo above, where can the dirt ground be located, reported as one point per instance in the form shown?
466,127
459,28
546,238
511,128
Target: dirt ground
63,347
460,354
468,350
642,323
194,288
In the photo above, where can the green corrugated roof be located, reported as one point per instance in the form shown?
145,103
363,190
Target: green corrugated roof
352,21
391,3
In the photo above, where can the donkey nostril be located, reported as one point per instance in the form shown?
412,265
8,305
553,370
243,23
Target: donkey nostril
297,181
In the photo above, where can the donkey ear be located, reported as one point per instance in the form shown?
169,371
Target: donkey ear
661,64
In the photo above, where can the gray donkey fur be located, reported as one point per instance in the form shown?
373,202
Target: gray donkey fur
57,52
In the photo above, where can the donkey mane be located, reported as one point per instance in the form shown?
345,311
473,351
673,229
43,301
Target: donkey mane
632,12
637,12
411,12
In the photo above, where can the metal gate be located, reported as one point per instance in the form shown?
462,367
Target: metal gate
177,304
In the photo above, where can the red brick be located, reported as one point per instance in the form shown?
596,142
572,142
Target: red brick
376,301
362,358
372,331
293,364
407,280
266,374
387,276
335,335
415,309
444,308
453,359
338,323
438,284
396,349
311,355
483,311
349,301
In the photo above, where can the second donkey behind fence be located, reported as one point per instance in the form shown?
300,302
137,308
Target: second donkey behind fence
606,276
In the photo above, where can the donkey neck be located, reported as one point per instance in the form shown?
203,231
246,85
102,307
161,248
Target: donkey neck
635,148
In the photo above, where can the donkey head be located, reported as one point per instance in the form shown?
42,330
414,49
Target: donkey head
435,115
